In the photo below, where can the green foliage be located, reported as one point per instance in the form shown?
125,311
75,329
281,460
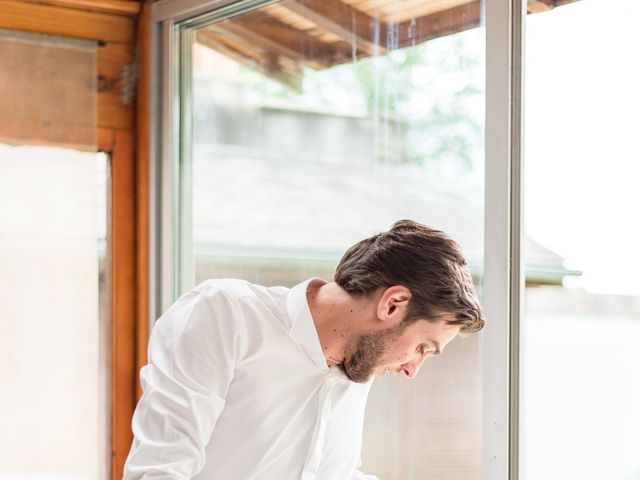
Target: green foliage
432,88
431,94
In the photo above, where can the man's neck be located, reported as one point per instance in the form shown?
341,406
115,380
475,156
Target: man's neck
337,317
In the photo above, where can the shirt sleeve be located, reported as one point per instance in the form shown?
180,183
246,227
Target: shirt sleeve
193,350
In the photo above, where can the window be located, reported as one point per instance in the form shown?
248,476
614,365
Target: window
53,305
580,386
264,107
297,142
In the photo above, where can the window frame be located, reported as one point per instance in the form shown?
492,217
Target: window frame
503,279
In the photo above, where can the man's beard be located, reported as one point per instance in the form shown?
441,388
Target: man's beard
364,352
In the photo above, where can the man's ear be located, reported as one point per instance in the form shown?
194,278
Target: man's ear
392,305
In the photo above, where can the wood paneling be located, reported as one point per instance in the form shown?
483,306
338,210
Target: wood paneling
277,32
112,57
118,7
116,34
289,41
48,91
33,17
447,22
322,33
397,11
344,21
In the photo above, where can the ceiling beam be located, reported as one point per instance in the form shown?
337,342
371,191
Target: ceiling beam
344,21
117,7
267,44
68,22
440,24
290,41
241,50
265,33
376,37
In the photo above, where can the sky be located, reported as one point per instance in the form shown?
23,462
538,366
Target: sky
582,161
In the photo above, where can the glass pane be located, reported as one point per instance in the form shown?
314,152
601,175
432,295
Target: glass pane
580,382
54,409
303,138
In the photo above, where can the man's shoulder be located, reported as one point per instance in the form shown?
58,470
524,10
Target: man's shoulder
236,289
236,286
231,286
243,300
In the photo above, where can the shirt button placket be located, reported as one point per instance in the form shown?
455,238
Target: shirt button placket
325,404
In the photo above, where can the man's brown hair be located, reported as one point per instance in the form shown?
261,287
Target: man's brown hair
426,261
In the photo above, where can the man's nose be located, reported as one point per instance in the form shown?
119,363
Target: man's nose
410,369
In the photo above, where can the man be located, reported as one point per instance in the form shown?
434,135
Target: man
249,382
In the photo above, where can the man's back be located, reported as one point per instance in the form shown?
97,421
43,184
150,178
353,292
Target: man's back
238,387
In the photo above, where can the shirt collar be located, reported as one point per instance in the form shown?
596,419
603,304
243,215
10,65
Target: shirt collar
303,330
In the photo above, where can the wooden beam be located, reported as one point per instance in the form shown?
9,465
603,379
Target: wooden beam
258,41
341,19
128,8
281,69
446,22
52,20
224,44
309,48
112,113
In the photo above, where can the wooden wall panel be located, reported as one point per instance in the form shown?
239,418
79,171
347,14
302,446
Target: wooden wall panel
34,17
116,34
112,113
118,7
34,73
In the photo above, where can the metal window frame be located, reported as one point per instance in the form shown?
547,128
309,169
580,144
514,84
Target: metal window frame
503,280
503,285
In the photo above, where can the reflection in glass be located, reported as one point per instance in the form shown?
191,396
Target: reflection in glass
305,140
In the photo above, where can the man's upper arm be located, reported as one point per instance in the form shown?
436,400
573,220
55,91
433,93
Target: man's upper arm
193,351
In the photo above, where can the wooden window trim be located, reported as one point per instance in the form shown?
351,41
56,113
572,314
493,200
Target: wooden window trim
124,291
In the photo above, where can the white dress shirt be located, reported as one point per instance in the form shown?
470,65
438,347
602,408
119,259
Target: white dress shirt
237,387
